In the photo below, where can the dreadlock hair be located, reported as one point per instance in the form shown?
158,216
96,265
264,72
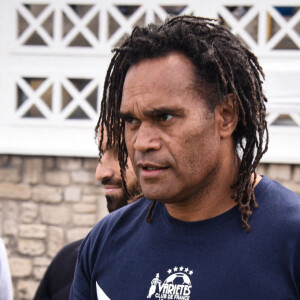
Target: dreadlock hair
223,64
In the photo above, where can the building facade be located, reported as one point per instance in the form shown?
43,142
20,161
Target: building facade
54,55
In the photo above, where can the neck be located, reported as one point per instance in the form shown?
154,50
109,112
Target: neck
213,200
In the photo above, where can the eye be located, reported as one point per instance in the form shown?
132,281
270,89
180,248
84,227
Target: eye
166,117
131,120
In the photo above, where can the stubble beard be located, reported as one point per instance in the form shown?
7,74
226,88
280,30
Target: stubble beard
116,202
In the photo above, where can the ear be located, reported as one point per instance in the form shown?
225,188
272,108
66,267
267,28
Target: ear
228,116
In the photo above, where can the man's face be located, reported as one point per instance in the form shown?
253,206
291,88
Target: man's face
171,137
108,172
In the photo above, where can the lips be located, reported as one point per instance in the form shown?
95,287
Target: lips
150,166
150,170
111,189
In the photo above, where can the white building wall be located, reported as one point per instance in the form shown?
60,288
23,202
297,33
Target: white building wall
54,56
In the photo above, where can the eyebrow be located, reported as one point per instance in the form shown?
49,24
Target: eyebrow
156,112
153,112
126,115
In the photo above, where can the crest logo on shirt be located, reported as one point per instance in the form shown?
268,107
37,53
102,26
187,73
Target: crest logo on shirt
176,286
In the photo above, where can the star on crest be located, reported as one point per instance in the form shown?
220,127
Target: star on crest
182,269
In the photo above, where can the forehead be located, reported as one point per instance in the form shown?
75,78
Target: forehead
167,76
176,65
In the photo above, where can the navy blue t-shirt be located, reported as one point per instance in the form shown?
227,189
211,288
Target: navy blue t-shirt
124,257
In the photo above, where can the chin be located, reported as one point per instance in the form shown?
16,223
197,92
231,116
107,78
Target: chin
115,196
159,196
115,202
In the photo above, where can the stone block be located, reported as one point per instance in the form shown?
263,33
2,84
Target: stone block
90,164
4,160
41,261
102,208
38,272
297,174
279,172
31,247
33,170
26,289
55,240
69,164
16,161
10,218
84,208
93,190
55,215
84,177
89,198
49,163
29,212
10,175
47,194
17,191
76,234
34,231
84,219
261,169
20,267
72,193
6,243
293,186
57,178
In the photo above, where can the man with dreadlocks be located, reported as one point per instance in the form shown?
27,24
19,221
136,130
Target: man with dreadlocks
186,98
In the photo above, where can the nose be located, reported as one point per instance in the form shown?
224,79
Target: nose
147,139
104,170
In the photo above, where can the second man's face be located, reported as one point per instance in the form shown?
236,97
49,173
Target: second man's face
108,172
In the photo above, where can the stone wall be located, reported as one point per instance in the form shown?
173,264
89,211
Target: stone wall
288,175
47,202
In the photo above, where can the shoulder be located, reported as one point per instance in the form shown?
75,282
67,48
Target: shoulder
69,248
114,227
272,192
68,251
278,205
65,256
117,223
135,209
124,216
